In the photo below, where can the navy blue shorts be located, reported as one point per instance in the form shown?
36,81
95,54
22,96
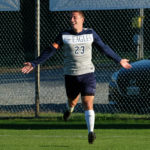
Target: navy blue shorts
82,84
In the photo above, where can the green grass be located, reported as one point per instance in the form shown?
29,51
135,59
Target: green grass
55,120
75,116
114,132
74,139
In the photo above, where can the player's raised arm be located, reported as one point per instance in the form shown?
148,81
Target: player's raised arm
47,53
109,52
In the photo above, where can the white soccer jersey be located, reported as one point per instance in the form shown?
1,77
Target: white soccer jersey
78,51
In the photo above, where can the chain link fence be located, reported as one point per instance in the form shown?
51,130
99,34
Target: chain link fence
120,29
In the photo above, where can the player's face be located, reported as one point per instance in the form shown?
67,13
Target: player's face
76,20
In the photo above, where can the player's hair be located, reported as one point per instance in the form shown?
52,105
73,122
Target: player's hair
80,12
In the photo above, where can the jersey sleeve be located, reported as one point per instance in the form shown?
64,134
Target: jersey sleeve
47,53
105,48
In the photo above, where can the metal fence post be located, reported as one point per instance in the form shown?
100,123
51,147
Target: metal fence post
140,48
37,53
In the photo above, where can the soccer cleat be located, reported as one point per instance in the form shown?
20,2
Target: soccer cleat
67,115
91,137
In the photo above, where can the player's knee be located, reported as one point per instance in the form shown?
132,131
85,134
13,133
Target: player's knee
88,106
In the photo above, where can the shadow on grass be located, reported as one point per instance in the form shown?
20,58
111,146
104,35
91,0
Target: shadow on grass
76,126
42,124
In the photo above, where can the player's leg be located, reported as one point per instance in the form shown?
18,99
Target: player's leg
71,103
87,95
72,91
89,112
89,116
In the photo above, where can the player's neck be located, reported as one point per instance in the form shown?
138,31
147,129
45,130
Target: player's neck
78,30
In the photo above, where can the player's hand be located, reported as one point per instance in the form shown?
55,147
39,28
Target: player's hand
125,63
27,68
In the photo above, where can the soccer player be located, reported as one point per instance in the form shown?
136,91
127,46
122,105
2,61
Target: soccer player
78,68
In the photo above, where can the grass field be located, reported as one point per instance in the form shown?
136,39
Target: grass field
118,133
62,139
